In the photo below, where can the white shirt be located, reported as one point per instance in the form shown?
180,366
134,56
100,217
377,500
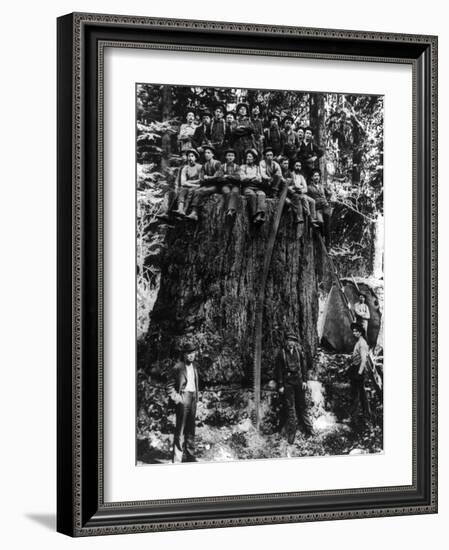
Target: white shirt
362,310
190,386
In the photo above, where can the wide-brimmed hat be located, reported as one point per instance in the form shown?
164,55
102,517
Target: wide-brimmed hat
253,152
274,116
268,149
292,336
189,347
242,104
230,113
194,151
205,112
229,150
210,147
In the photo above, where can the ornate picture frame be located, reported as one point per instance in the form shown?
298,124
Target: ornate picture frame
81,507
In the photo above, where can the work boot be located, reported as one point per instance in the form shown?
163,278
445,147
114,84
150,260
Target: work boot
180,210
193,215
230,214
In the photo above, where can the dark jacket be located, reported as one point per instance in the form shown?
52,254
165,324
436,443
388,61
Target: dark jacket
294,371
217,132
290,143
211,168
273,138
320,193
306,152
201,136
177,380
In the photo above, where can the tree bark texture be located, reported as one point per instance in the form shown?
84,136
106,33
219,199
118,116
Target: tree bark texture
210,276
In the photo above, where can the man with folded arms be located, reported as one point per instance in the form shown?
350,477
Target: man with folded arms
230,180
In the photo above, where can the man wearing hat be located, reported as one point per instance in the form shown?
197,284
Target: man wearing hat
357,372
309,154
209,181
273,136
270,171
190,179
290,140
321,194
251,179
201,136
230,180
186,132
218,131
231,124
293,200
297,194
290,374
242,133
182,388
258,125
362,313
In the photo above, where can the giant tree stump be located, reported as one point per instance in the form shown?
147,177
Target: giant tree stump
210,275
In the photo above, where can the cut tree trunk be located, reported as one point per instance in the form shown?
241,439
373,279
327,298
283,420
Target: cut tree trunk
210,276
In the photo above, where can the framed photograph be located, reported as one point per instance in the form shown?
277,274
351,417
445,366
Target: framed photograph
247,274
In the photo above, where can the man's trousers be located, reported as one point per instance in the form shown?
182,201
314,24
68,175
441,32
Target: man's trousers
184,441
256,200
358,396
295,402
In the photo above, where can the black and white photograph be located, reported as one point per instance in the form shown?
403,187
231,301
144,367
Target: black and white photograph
260,273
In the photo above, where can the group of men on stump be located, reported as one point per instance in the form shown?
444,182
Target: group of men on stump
290,376
238,154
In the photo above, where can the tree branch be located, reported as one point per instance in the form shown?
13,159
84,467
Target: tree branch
371,220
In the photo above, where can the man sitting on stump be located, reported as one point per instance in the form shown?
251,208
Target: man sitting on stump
297,196
210,175
251,179
189,179
270,172
290,374
230,180
321,195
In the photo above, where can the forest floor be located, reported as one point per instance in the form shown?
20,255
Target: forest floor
225,430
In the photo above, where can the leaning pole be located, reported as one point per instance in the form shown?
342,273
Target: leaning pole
260,305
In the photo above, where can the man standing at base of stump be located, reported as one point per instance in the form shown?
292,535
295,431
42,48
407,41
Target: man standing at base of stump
290,374
357,373
182,388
